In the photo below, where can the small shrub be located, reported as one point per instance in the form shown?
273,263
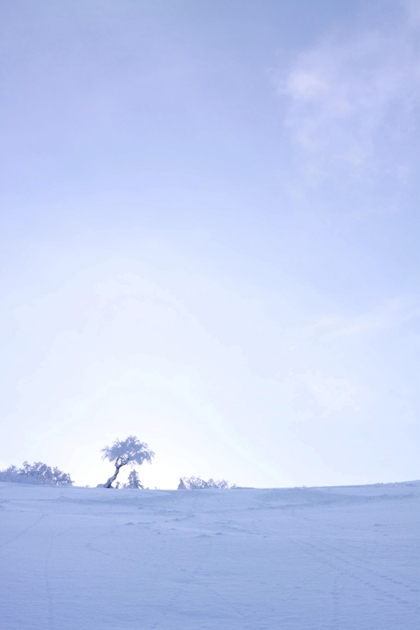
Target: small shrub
196,483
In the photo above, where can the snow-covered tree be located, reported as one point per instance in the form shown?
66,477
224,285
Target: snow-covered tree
122,452
181,485
134,481
36,473
196,483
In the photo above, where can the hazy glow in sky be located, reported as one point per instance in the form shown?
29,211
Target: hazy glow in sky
209,237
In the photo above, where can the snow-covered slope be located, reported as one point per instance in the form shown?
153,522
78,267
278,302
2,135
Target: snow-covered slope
298,559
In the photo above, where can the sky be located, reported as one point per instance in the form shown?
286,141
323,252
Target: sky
209,238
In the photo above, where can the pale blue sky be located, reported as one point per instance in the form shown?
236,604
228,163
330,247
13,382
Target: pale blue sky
209,237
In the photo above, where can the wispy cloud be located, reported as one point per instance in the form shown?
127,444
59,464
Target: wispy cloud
321,395
326,373
391,315
351,106
412,8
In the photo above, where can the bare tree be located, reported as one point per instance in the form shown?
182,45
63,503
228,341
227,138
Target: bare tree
122,452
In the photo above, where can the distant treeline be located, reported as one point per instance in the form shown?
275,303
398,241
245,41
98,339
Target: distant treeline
36,473
121,453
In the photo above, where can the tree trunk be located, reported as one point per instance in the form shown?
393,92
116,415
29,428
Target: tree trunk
111,480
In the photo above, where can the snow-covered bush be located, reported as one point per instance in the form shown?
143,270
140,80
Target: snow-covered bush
36,473
122,452
196,483
133,481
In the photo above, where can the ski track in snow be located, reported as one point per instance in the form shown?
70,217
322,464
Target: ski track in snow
277,559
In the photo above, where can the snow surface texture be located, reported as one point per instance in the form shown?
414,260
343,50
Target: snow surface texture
300,559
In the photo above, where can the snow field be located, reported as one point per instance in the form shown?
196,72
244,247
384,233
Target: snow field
283,559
